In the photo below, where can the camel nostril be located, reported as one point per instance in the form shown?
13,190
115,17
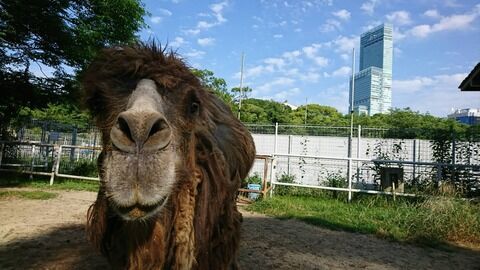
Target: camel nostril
159,125
123,126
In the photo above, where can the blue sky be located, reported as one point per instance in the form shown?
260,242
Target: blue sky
296,50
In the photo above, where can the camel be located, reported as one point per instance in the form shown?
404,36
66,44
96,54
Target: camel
173,158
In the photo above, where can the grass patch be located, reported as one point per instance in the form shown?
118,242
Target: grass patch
23,180
431,221
32,195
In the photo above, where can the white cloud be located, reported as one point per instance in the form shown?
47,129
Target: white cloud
398,35
255,71
345,44
310,77
330,25
436,94
159,19
206,41
370,25
192,32
342,14
217,12
336,97
278,82
165,12
397,52
283,95
278,36
311,51
156,19
278,62
345,56
195,54
451,3
291,55
432,13
320,61
447,23
342,72
422,30
400,17
177,42
369,6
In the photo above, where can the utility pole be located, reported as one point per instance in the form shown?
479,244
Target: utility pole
306,110
349,169
351,103
241,85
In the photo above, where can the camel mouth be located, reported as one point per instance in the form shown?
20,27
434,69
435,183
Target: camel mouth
139,211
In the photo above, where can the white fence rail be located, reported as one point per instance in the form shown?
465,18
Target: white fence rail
311,159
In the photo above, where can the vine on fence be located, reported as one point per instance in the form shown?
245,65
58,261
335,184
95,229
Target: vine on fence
382,151
447,148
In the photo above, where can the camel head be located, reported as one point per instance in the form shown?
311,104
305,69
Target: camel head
159,125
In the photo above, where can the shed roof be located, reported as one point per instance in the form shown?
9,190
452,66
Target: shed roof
472,81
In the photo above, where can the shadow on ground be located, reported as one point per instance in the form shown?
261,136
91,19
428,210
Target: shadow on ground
61,248
267,243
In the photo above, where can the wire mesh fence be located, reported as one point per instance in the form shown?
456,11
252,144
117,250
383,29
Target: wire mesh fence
422,161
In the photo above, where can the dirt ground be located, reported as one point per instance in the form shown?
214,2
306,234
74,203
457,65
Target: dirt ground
50,235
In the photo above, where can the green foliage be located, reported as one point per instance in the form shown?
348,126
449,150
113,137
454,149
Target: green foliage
254,179
61,113
60,38
83,167
42,182
431,222
264,111
217,85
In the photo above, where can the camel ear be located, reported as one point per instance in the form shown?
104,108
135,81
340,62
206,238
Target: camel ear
236,143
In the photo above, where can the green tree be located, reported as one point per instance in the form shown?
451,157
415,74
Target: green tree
62,113
60,36
217,85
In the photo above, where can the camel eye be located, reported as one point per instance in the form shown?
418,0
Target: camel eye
194,108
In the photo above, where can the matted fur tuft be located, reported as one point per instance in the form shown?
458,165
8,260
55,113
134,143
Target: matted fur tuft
200,225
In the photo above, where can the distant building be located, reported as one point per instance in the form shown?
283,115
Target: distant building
373,83
466,116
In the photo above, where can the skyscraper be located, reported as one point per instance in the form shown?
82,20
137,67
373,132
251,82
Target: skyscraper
373,83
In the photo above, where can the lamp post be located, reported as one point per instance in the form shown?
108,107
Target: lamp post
241,84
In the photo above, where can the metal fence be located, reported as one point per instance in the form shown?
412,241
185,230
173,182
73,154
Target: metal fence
302,156
318,157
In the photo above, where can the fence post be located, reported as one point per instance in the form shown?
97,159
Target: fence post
349,175
359,142
454,168
56,156
274,159
272,174
289,152
33,161
2,146
414,159
276,139
74,142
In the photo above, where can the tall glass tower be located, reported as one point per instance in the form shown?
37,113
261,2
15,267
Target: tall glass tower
373,83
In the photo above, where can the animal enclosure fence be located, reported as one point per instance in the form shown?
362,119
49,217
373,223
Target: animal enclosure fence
299,156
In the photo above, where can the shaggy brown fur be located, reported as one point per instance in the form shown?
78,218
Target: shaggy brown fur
200,225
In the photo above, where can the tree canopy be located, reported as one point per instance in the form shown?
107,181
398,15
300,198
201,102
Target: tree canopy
45,43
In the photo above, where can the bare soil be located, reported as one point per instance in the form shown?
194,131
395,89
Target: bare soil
36,234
